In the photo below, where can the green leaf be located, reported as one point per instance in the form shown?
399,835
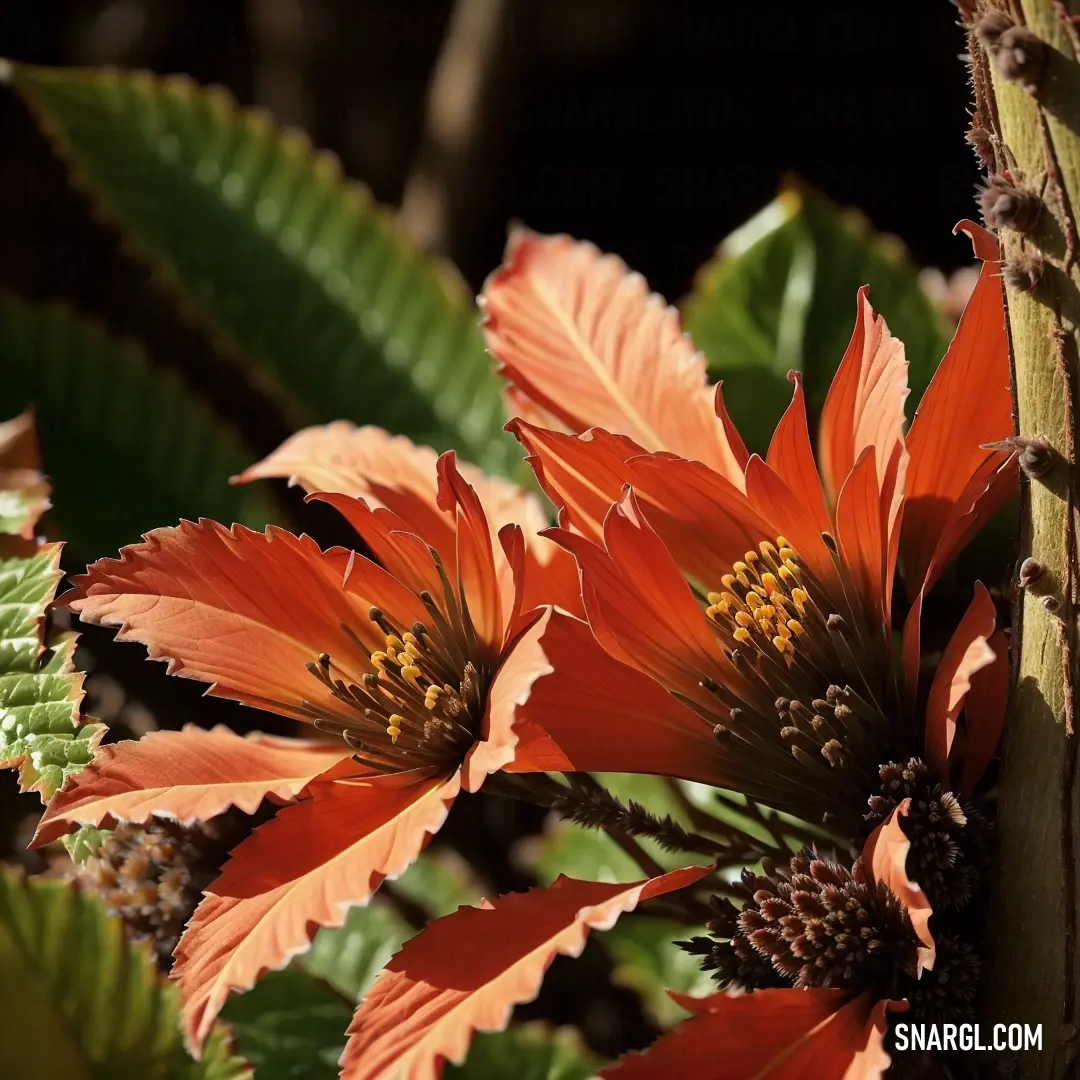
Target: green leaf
290,1026
127,447
780,295
85,842
648,960
567,848
77,1001
40,729
295,269
350,956
526,1052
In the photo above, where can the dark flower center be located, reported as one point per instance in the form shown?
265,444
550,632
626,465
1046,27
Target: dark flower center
814,924
423,705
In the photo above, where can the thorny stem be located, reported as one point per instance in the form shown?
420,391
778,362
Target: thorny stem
1028,121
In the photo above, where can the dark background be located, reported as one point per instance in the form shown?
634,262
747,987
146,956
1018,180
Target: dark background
650,128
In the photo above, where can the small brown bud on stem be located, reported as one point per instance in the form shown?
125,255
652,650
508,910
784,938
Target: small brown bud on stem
1007,205
1031,572
1025,272
1021,57
1037,457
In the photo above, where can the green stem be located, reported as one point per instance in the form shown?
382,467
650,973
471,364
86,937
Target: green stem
1034,970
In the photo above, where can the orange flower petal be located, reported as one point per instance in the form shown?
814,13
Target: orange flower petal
582,337
477,574
865,404
582,475
591,713
187,776
300,871
789,516
640,606
242,610
791,457
968,651
967,404
467,971
984,714
392,472
768,1035
885,853
524,663
861,535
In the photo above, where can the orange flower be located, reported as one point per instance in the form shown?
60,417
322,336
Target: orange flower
419,664
862,942
756,592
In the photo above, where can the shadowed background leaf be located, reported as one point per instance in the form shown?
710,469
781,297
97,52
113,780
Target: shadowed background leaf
779,295
297,272
97,1006
126,447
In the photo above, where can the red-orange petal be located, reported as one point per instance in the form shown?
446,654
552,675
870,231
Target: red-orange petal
582,475
302,870
768,1035
591,713
967,404
391,472
490,606
967,652
640,606
467,971
187,776
523,664
791,457
865,403
885,853
984,714
860,533
242,610
582,337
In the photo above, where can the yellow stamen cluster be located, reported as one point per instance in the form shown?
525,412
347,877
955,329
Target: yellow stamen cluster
402,657
763,601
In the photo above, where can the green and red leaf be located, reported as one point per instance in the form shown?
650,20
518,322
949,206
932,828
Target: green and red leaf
441,988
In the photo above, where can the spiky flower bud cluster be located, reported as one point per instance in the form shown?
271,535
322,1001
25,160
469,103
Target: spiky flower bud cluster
949,839
813,924
152,876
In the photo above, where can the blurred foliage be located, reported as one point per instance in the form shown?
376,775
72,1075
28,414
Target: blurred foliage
297,273
97,1006
126,446
646,960
780,295
290,1026
528,1052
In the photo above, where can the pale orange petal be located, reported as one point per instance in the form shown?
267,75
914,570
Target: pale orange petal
582,337
467,971
984,714
967,404
968,651
302,870
392,472
865,404
187,776
590,713
885,854
244,611
768,1035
